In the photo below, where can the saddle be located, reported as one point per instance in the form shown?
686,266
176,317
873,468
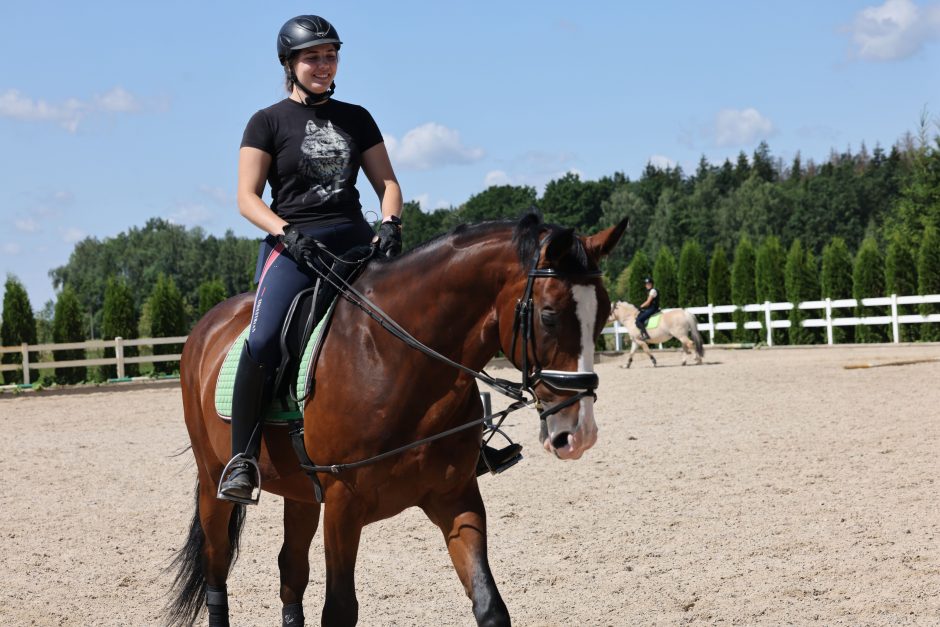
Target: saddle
301,339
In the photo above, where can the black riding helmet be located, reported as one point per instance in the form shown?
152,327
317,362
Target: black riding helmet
305,31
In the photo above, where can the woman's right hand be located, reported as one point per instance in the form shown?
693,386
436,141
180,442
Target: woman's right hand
302,248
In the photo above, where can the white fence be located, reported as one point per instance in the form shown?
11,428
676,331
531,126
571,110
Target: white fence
119,359
617,330
828,321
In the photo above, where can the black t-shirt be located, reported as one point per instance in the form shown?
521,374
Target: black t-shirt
316,155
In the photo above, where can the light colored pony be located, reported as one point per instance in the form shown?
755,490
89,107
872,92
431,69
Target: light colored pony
677,323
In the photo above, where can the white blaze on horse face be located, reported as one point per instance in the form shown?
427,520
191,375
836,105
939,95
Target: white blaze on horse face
584,437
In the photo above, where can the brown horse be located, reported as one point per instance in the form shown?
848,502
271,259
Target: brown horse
459,295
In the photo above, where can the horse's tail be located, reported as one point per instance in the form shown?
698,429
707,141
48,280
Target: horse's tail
696,336
189,585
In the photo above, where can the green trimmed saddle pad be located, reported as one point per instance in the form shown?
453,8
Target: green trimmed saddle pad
276,413
652,323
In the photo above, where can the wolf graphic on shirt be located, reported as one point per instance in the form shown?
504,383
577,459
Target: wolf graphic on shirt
324,160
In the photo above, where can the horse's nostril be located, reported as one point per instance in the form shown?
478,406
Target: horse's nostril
560,440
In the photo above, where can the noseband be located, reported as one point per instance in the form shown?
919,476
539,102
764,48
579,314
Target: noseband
580,381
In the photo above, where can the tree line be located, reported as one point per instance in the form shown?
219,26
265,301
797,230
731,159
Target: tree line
860,223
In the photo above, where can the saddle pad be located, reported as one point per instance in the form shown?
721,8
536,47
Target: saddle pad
653,322
225,384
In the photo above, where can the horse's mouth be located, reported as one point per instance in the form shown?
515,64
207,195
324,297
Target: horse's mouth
564,445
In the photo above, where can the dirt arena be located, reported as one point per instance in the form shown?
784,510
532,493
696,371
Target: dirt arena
767,487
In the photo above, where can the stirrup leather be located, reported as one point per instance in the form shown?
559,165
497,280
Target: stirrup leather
253,466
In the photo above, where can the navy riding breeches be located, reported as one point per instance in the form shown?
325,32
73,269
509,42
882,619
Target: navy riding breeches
644,315
279,279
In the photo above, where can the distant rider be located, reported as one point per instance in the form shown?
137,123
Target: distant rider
649,307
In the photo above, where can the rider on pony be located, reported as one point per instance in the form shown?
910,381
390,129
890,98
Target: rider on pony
309,148
649,307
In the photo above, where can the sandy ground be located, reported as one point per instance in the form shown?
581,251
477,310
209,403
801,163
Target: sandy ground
768,487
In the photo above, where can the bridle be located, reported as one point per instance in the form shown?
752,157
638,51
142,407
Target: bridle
580,381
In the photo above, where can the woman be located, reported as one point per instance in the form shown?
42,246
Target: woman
309,149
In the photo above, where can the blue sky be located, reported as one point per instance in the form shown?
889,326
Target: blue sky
115,112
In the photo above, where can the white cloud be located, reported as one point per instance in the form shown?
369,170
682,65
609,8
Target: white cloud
429,146
72,234
191,214
424,200
735,127
26,225
68,114
661,162
495,177
10,248
218,194
894,30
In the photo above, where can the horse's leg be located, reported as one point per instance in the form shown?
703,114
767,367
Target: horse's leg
300,524
462,519
632,350
221,526
646,349
342,529
687,348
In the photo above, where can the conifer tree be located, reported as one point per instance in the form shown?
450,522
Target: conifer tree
797,292
693,275
67,327
167,319
811,284
743,287
665,278
621,287
719,287
18,325
769,277
928,275
639,270
119,319
868,281
211,293
901,279
836,281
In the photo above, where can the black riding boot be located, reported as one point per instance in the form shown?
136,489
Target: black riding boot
248,401
496,460
643,334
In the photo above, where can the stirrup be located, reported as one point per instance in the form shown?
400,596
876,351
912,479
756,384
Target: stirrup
255,493
484,465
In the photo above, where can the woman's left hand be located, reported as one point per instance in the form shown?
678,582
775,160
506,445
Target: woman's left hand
388,239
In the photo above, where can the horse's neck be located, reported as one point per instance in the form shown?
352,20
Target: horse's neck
446,295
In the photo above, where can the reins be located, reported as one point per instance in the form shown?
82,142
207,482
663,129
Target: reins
516,391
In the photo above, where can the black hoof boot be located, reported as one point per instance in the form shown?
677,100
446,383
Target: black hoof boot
292,615
495,461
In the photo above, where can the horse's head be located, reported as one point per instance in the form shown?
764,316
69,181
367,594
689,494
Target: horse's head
622,311
549,320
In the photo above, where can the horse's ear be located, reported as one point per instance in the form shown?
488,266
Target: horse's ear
600,244
559,246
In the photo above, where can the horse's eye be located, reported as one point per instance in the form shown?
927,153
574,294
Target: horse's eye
549,318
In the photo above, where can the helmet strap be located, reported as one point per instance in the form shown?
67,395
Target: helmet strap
312,98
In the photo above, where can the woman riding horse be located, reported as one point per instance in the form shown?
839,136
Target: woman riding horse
309,148
396,417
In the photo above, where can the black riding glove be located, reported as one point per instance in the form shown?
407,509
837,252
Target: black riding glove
388,239
302,248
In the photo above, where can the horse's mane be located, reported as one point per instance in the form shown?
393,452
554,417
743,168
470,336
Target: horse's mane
527,235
